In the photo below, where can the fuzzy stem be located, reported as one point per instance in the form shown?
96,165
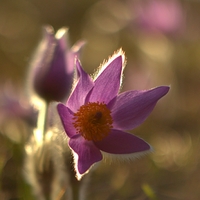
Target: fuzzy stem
42,120
74,183
75,189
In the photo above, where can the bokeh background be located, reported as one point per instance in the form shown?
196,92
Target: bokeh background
161,39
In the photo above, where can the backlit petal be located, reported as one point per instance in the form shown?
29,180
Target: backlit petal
133,107
87,152
52,74
66,118
84,85
107,83
119,142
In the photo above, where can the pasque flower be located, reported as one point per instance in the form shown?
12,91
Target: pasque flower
96,117
53,65
14,105
165,16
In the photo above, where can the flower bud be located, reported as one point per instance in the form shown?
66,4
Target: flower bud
53,66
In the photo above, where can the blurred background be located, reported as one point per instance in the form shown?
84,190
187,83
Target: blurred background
161,40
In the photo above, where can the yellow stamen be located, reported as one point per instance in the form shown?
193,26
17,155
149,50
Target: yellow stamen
93,121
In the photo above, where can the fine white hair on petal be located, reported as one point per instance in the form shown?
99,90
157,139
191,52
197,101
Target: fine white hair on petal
75,156
78,175
105,63
125,157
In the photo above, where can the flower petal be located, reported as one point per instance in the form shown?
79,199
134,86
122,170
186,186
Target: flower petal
108,82
63,41
66,118
84,85
87,152
119,142
133,107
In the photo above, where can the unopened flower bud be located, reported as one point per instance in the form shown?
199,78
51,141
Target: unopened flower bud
53,66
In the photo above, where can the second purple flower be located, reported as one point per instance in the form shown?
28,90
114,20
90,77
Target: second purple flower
53,65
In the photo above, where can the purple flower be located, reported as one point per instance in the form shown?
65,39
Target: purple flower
53,65
159,15
96,117
14,105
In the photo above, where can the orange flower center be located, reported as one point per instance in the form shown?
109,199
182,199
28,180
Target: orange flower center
93,121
